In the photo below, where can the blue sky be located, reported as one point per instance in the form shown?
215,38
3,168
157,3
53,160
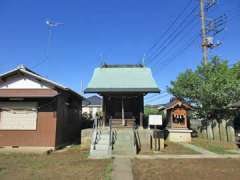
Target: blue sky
112,31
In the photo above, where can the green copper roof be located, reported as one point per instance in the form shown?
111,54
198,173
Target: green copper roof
122,79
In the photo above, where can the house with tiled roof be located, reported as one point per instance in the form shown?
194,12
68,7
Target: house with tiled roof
37,112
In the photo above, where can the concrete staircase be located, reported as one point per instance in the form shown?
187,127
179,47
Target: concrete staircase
124,142
102,148
117,123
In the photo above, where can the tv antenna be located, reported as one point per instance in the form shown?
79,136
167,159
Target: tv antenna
51,24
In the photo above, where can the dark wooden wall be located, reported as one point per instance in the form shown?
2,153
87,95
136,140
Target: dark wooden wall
69,110
133,106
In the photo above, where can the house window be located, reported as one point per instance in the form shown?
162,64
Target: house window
18,115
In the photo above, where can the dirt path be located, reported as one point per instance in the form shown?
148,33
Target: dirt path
122,169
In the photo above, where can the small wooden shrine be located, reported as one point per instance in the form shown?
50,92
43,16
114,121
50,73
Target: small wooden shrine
177,116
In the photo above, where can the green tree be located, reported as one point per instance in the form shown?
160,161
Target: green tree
210,88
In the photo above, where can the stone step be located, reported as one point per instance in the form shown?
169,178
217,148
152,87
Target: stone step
125,137
105,134
104,137
124,144
122,149
122,127
120,122
103,141
101,147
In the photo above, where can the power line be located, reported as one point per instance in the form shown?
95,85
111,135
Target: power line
169,27
171,37
169,60
159,98
155,95
149,97
180,40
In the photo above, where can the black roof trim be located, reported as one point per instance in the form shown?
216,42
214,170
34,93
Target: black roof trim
101,90
122,65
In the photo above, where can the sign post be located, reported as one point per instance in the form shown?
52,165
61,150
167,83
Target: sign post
157,135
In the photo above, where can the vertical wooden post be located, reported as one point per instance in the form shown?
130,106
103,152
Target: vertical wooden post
123,118
171,118
185,118
151,143
104,110
141,104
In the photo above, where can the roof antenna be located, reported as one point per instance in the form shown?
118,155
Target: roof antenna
143,59
51,25
81,87
102,60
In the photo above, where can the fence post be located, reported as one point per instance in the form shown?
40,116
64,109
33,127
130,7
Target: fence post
209,130
230,131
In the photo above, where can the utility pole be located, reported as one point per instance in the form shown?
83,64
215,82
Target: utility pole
210,29
203,30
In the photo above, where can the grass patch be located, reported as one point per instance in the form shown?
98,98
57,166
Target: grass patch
215,146
2,170
197,169
68,164
170,148
108,172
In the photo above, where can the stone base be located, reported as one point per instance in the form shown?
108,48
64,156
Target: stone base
179,135
27,149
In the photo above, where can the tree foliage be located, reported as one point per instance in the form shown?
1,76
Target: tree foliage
149,110
211,88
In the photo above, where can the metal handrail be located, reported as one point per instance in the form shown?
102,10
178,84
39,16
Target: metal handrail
137,142
97,131
110,131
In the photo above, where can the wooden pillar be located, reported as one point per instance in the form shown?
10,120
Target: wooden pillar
141,104
104,110
185,119
171,118
123,118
